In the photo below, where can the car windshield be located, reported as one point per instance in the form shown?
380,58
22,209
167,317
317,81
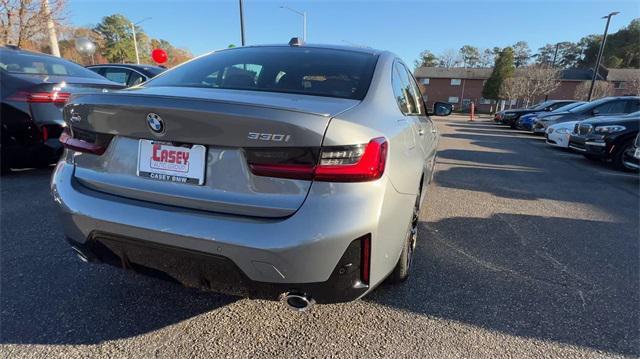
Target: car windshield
25,63
589,105
567,107
299,70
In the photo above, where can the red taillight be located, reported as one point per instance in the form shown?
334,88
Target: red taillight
41,97
79,145
365,259
356,163
370,165
46,97
44,132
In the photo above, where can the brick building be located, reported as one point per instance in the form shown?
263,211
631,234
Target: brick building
461,86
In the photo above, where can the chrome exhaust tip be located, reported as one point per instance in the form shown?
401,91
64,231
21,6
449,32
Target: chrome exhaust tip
298,302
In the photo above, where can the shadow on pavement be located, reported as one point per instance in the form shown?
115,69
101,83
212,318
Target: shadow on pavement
566,280
48,296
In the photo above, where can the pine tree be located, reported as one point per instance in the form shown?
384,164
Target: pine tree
502,70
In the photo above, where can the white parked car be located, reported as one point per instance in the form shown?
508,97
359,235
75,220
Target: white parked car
558,135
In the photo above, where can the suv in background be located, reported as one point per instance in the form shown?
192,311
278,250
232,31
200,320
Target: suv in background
606,138
127,74
607,106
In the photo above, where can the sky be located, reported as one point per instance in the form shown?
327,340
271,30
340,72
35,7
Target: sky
403,27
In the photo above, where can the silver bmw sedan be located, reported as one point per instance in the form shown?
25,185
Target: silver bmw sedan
287,172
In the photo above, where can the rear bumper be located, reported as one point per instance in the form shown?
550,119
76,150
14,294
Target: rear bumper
302,252
35,153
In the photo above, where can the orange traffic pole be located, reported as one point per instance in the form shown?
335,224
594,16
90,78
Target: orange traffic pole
472,112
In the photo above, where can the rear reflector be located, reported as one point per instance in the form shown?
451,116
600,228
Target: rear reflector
357,163
81,145
365,259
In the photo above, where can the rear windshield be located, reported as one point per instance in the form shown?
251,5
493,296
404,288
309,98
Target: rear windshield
308,71
24,63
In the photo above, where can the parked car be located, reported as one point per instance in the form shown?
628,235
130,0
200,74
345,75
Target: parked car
292,172
525,122
631,157
557,135
606,106
509,117
127,74
34,89
606,138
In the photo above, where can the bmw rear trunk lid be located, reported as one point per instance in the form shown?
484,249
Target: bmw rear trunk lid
150,130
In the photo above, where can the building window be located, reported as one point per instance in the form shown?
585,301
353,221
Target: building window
513,102
453,99
485,101
424,81
619,85
456,82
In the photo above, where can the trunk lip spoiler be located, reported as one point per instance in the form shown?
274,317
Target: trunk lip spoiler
126,94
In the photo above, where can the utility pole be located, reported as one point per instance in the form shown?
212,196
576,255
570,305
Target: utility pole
600,52
304,20
553,65
51,27
242,23
135,40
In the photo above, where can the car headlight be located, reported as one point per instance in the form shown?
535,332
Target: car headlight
609,129
562,130
552,118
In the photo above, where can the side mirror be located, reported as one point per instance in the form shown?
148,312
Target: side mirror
442,109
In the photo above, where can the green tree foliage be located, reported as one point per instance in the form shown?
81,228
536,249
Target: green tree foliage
521,53
118,37
470,56
427,59
502,70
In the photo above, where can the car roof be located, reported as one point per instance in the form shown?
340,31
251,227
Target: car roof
14,48
362,49
130,66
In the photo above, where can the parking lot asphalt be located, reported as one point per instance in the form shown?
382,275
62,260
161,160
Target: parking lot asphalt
524,251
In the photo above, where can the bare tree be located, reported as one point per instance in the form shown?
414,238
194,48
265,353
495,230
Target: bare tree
512,89
449,58
23,21
601,89
538,81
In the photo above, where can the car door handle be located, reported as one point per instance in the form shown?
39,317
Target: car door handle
421,132
434,130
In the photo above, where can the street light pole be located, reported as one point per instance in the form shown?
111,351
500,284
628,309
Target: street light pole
600,52
242,22
135,41
553,65
304,20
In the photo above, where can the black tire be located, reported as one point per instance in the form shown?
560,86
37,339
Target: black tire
5,165
403,267
618,157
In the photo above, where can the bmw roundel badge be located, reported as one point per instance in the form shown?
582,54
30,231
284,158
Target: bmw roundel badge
155,123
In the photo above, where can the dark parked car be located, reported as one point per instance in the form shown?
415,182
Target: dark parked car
607,106
34,89
127,74
606,138
631,157
525,122
509,117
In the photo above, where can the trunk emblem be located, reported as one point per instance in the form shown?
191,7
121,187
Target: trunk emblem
155,123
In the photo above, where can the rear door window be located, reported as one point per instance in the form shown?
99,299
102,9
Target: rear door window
117,74
21,62
612,107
